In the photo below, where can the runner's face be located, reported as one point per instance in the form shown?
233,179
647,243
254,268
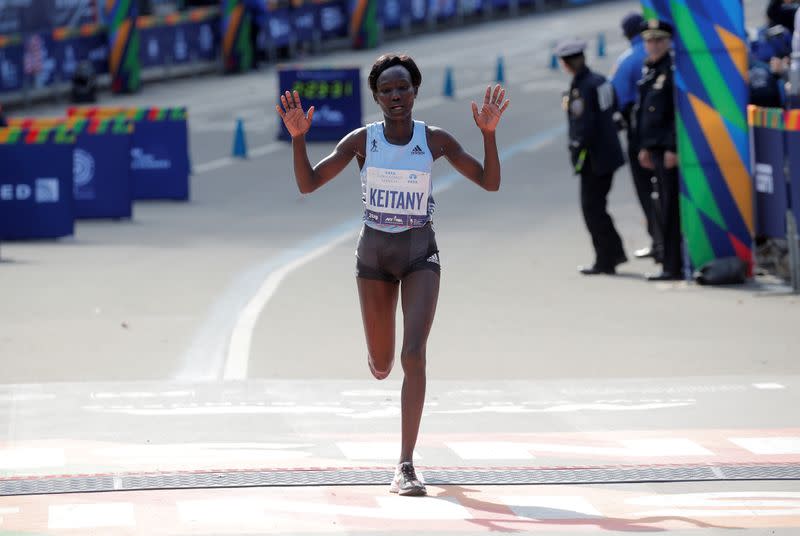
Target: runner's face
395,93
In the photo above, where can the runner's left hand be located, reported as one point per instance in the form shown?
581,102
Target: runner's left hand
493,107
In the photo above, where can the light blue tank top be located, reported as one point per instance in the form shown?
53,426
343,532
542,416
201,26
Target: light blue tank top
396,185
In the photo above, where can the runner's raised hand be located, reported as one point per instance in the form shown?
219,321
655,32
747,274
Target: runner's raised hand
295,119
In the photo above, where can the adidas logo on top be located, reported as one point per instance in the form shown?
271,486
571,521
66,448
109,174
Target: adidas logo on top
417,150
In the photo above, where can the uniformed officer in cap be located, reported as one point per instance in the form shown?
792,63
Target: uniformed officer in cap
624,77
595,151
655,132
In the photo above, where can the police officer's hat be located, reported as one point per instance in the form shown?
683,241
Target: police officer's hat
656,29
570,47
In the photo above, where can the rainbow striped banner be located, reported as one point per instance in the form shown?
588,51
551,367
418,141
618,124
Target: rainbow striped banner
134,114
78,125
237,49
59,134
766,117
123,38
717,208
792,122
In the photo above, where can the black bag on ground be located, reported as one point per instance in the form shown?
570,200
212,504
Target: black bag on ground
724,271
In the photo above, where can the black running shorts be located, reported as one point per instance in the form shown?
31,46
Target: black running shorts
392,256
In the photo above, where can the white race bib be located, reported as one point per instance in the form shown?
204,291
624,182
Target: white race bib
397,196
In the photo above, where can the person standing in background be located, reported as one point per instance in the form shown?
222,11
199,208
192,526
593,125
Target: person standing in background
595,151
626,74
656,136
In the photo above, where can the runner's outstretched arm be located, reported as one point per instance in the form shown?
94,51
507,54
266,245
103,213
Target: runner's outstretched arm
298,124
487,176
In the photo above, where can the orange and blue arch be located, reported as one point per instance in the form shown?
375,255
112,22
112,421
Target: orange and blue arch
717,206
123,36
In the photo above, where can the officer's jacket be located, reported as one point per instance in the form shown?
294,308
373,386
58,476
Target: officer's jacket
593,141
655,107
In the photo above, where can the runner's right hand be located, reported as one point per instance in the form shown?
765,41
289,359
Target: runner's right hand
291,111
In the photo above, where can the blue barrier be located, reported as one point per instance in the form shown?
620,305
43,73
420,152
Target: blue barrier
36,183
769,151
103,185
159,153
793,152
160,160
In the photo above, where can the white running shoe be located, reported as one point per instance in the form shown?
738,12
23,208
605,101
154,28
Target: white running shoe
405,481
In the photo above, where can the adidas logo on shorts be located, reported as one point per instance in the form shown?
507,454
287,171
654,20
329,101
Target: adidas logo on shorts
417,150
434,258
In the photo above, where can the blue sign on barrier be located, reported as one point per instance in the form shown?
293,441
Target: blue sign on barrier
153,46
444,9
11,68
335,95
36,190
333,19
793,150
473,7
419,11
770,181
159,159
102,176
392,13
305,19
279,27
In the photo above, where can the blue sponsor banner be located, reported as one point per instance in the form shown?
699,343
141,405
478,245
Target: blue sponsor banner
71,51
36,191
177,44
770,181
102,187
335,95
159,158
419,11
304,20
206,39
793,150
11,68
444,9
333,19
393,11
153,46
473,7
279,27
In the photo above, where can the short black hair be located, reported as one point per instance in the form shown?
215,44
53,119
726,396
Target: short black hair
390,60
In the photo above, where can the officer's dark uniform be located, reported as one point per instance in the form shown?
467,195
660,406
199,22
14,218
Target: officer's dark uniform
596,154
655,131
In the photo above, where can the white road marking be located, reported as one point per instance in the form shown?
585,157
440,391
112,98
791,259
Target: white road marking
490,450
241,337
85,516
371,450
29,458
551,507
768,445
255,510
768,386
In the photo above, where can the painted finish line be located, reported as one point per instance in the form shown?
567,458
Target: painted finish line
750,507
631,474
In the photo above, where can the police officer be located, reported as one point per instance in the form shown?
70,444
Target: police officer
626,74
595,151
655,132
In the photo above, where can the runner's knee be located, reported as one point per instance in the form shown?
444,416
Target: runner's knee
413,358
